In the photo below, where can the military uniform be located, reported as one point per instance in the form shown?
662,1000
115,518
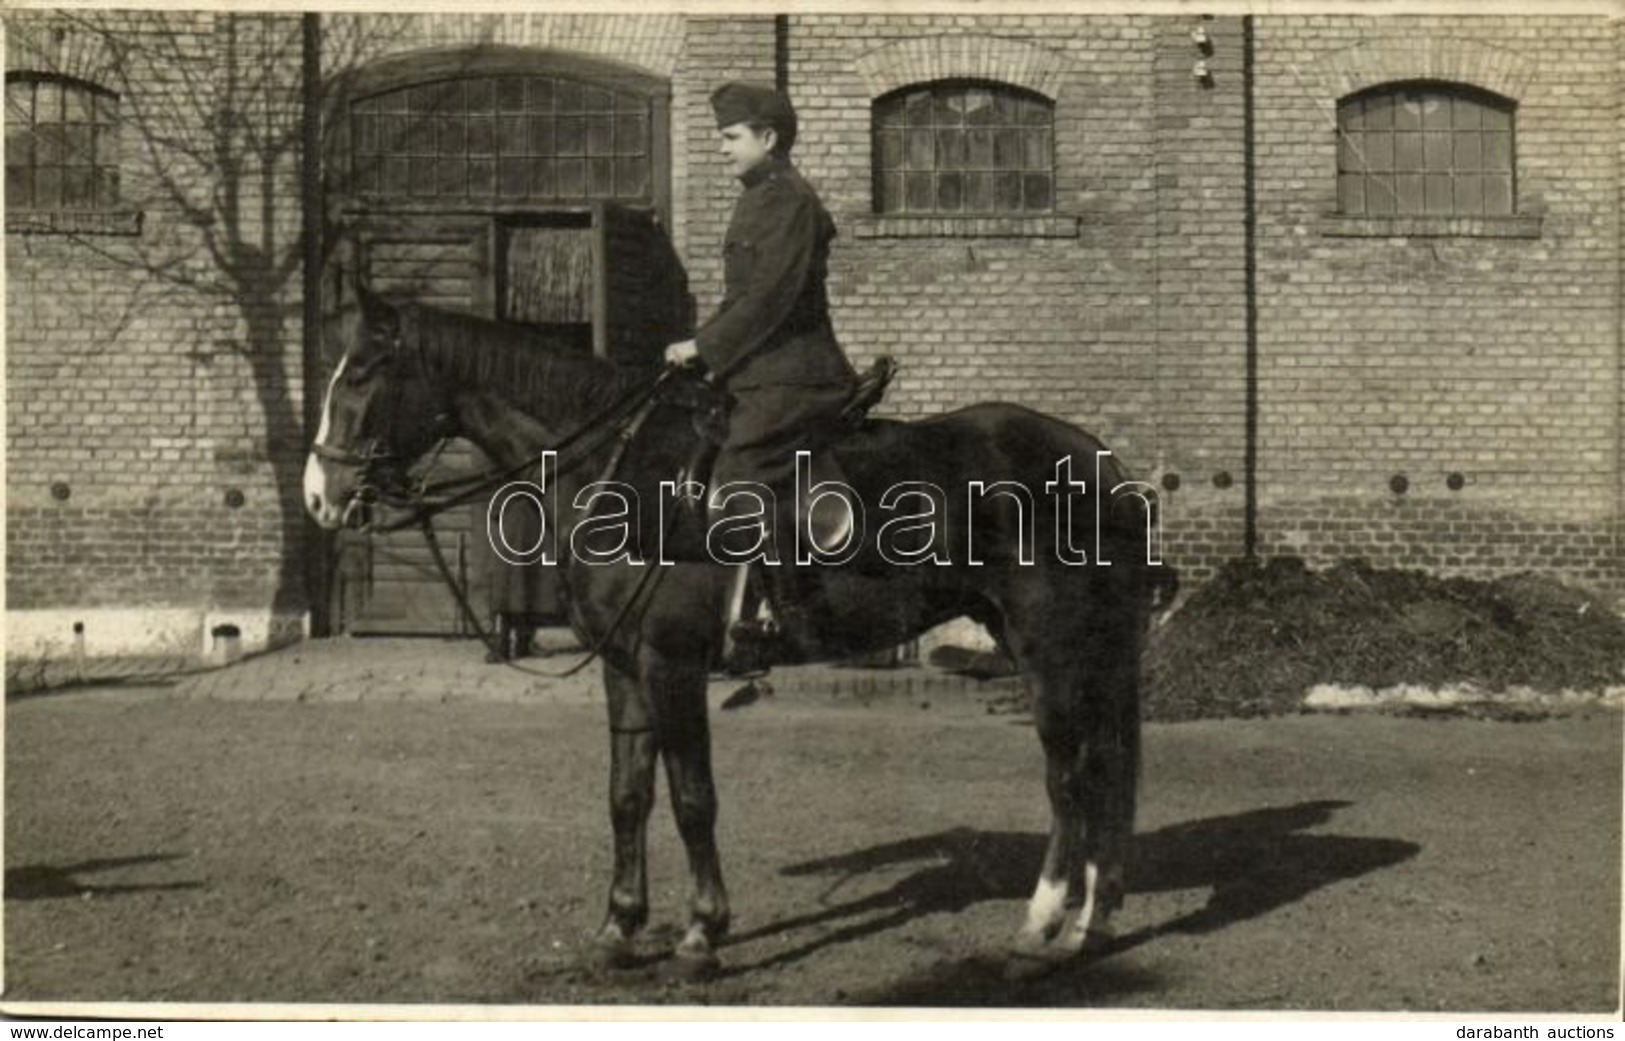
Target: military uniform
771,347
770,343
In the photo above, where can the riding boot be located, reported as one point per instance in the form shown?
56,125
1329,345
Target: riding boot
801,615
799,626
801,607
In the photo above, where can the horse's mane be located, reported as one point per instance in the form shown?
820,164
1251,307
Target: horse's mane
539,374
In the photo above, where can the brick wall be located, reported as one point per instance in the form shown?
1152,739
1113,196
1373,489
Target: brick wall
1496,358
153,371
1619,313
153,354
715,50
1134,328
651,41
149,376
1064,324
1201,290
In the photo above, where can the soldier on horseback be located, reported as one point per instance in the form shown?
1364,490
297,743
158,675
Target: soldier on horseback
770,344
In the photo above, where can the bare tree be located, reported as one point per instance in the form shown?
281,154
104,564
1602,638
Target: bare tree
219,109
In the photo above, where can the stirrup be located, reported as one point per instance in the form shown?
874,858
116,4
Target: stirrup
751,647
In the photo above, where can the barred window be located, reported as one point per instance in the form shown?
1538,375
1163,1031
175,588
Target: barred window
1425,149
964,147
503,138
61,144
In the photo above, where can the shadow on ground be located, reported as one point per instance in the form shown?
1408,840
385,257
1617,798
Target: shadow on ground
57,881
1252,863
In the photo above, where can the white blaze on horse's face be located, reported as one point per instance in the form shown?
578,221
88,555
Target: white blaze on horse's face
326,492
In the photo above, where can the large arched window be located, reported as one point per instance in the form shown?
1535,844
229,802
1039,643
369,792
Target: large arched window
964,147
1425,149
504,139
61,144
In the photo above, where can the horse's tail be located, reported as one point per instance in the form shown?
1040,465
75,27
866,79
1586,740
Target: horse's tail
1130,522
1164,587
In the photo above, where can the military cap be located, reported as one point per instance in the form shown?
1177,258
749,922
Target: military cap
739,102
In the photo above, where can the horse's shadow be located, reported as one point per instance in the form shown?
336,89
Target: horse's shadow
58,881
1252,863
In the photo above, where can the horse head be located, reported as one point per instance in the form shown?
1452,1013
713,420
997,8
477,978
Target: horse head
382,412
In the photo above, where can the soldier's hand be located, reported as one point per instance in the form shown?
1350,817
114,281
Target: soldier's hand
684,353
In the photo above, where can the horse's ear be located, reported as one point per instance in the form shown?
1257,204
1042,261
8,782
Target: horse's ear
362,292
361,283
350,282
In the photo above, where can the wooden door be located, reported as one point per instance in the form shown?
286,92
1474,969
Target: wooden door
641,300
606,279
515,183
388,583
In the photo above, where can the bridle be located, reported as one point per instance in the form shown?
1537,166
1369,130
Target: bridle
381,478
381,475
367,461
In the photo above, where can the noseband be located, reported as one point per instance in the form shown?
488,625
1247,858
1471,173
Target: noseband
381,474
381,477
370,454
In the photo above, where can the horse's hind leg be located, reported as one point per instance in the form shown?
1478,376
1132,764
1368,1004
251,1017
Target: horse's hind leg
633,750
1084,684
678,690
1060,732
1111,781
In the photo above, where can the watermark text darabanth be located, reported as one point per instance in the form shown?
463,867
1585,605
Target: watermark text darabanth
910,519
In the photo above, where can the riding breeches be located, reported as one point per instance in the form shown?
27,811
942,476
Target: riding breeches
768,424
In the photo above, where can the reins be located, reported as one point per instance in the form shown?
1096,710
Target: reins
426,501
645,583
429,501
479,485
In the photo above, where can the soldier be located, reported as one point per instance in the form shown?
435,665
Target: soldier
770,344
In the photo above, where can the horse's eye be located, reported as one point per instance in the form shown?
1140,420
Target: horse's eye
359,372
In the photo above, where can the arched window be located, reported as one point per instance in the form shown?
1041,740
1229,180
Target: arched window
1425,149
504,138
61,144
964,147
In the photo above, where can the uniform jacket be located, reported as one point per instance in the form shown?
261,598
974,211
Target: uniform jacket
773,326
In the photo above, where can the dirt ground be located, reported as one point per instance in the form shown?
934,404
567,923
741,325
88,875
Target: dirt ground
878,854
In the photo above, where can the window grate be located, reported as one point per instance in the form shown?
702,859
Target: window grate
1425,150
503,138
61,144
964,147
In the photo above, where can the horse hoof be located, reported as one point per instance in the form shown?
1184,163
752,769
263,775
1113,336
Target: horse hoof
695,966
746,695
1023,964
610,954
1097,942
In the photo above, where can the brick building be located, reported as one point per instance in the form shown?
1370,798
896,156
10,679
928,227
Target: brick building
1342,286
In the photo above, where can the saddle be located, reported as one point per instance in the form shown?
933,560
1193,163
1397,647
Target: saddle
825,519
827,527
710,407
870,390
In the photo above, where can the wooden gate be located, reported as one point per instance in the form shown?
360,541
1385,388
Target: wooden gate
519,184
604,278
388,583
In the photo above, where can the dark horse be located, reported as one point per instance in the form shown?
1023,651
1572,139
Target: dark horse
1009,479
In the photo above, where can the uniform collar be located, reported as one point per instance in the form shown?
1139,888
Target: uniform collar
763,170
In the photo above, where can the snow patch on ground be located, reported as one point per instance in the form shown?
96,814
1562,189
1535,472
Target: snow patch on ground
1345,696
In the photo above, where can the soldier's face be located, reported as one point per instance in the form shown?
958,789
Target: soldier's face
745,147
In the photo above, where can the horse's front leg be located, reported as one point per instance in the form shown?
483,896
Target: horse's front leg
633,750
678,688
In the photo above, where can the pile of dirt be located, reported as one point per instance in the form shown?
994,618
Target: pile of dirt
1255,638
